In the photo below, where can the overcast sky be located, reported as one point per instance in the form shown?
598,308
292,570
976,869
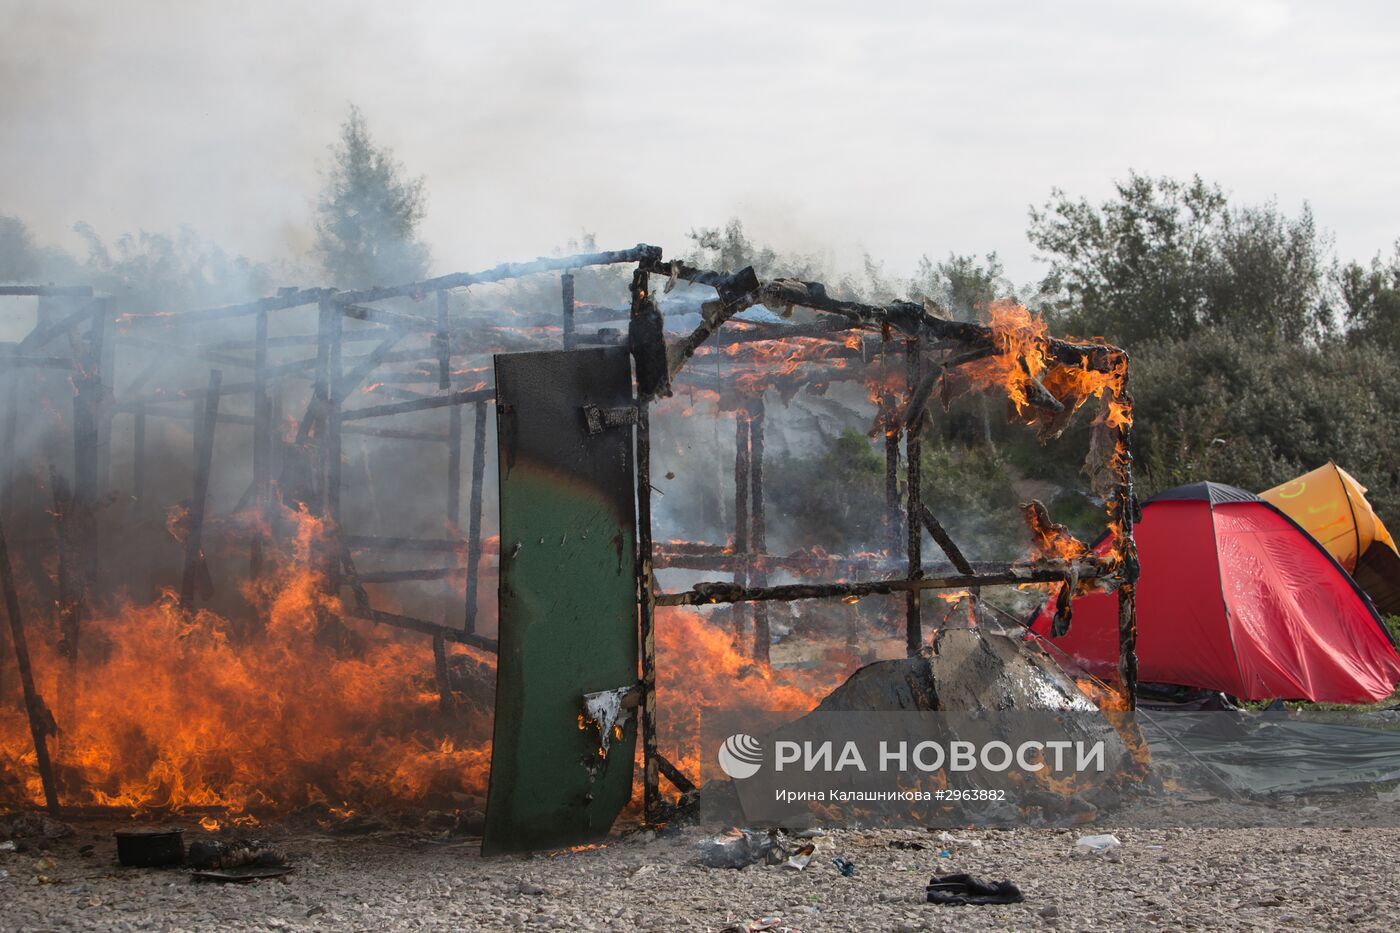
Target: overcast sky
898,128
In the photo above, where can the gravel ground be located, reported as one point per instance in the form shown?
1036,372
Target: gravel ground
1228,879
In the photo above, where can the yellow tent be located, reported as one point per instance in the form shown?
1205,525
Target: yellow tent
1331,505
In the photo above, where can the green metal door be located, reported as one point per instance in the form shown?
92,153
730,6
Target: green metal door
568,597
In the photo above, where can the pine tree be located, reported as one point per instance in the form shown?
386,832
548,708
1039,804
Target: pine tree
368,214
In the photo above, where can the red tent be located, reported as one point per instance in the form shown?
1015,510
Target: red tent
1234,596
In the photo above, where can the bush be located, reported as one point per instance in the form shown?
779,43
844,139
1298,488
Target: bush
1254,413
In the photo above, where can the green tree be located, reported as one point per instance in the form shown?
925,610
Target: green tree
963,285
1371,297
1165,258
368,214
729,249
167,271
19,257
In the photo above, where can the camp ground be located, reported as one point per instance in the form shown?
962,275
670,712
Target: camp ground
729,467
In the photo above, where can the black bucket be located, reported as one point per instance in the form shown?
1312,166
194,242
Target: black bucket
150,848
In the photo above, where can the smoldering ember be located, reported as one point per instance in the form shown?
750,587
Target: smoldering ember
715,581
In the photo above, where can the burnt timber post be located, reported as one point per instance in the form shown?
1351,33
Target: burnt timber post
328,339
758,539
889,408
741,517
11,451
442,341
333,451
454,492
646,610
262,444
106,351
1125,508
474,516
566,288
205,429
913,632
87,459
41,723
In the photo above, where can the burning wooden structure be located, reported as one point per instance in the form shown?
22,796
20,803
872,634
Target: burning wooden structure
423,361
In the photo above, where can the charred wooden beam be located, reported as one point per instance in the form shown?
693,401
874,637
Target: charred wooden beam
673,774
890,424
747,332
910,318
913,609
46,291
643,307
712,593
566,291
8,362
1127,642
105,349
694,547
646,338
444,683
89,401
474,515
465,397
736,292
758,538
423,375
454,502
407,576
1038,396
427,628
442,342
668,557
41,335
366,365
299,368
393,319
396,434
41,722
742,487
365,334
949,546
1125,514
330,373
385,543
204,460
287,298
508,270
838,568
354,578
11,450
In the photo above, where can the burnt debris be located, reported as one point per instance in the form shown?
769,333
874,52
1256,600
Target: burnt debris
411,361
